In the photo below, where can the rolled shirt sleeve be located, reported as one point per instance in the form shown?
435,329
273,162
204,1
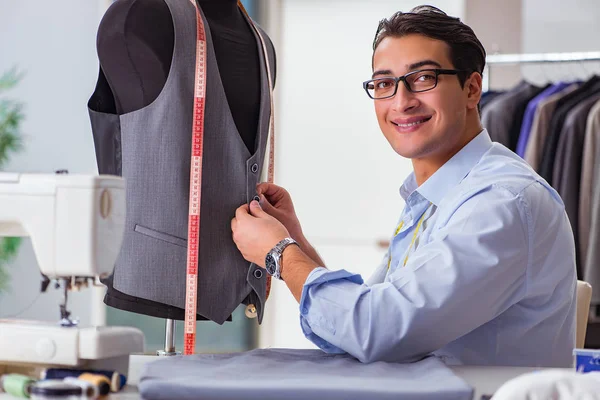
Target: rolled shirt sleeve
472,268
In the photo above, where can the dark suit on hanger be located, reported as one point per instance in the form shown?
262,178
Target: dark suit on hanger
591,151
563,107
502,117
567,166
592,257
541,126
488,97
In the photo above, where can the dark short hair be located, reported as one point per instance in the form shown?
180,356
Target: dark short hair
466,51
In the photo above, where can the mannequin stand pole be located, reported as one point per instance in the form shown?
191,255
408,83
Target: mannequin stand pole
169,349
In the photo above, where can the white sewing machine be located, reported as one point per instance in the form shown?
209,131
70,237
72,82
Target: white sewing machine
76,225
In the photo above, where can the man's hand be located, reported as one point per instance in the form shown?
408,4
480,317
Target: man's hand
255,232
277,202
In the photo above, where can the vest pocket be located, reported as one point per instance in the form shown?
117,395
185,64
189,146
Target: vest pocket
165,237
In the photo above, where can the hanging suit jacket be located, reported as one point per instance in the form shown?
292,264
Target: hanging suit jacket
566,176
530,113
541,126
151,148
592,258
563,107
588,179
500,117
487,97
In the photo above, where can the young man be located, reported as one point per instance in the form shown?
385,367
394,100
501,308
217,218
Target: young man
481,267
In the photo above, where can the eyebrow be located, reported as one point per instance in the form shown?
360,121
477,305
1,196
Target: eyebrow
382,72
424,63
411,67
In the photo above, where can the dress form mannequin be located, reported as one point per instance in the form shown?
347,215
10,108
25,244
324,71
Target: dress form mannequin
135,48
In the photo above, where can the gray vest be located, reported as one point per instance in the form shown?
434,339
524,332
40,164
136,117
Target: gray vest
151,149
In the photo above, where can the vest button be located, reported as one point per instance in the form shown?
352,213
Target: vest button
254,168
256,198
251,311
258,273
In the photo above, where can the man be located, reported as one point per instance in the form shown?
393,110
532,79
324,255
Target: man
481,267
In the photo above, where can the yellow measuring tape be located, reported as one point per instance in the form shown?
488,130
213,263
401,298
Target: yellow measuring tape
412,242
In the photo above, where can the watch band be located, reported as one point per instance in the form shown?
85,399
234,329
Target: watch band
278,250
279,247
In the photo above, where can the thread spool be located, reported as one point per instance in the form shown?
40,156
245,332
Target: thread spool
100,381
55,389
16,385
88,389
117,380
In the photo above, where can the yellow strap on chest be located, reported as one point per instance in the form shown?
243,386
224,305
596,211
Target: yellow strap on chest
414,238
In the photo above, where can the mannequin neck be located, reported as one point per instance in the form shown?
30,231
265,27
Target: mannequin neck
219,9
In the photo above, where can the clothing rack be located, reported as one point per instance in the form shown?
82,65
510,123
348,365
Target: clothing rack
534,58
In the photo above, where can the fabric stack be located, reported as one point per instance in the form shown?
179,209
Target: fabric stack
297,374
556,129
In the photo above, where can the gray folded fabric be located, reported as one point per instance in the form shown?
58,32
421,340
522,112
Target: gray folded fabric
297,374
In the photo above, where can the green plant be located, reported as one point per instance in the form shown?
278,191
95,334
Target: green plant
11,115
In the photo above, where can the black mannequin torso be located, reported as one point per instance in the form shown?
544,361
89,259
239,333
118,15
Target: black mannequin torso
135,47
135,59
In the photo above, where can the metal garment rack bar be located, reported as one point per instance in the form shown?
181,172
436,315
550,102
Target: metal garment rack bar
534,58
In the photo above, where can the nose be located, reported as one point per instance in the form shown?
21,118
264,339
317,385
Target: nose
404,100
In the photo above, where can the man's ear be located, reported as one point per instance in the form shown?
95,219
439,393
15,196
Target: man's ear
473,86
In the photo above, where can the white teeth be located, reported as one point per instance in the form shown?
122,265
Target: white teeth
411,124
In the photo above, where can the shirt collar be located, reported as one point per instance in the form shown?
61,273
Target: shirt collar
451,173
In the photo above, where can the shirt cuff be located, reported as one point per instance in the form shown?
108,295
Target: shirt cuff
317,277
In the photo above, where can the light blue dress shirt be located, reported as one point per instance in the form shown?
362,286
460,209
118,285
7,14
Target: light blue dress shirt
490,279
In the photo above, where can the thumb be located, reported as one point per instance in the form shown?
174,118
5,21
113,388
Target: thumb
255,209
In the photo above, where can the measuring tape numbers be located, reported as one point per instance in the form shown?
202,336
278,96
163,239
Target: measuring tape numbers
191,287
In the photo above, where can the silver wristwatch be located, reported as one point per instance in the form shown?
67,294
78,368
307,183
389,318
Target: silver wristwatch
274,257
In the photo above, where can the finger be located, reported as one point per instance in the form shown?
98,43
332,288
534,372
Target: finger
265,205
235,241
270,189
255,209
264,187
276,197
233,224
242,211
261,187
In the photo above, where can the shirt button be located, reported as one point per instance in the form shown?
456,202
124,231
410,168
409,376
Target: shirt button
304,311
254,168
258,273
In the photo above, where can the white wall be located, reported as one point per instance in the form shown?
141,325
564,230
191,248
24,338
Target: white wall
499,26
561,26
54,43
536,26
556,25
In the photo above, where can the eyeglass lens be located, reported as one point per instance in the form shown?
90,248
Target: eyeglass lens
418,81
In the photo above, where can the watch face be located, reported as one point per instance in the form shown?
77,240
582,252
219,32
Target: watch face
270,264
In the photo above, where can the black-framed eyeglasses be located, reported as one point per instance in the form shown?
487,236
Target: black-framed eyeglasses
415,82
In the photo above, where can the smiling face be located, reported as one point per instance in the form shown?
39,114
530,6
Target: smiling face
430,126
